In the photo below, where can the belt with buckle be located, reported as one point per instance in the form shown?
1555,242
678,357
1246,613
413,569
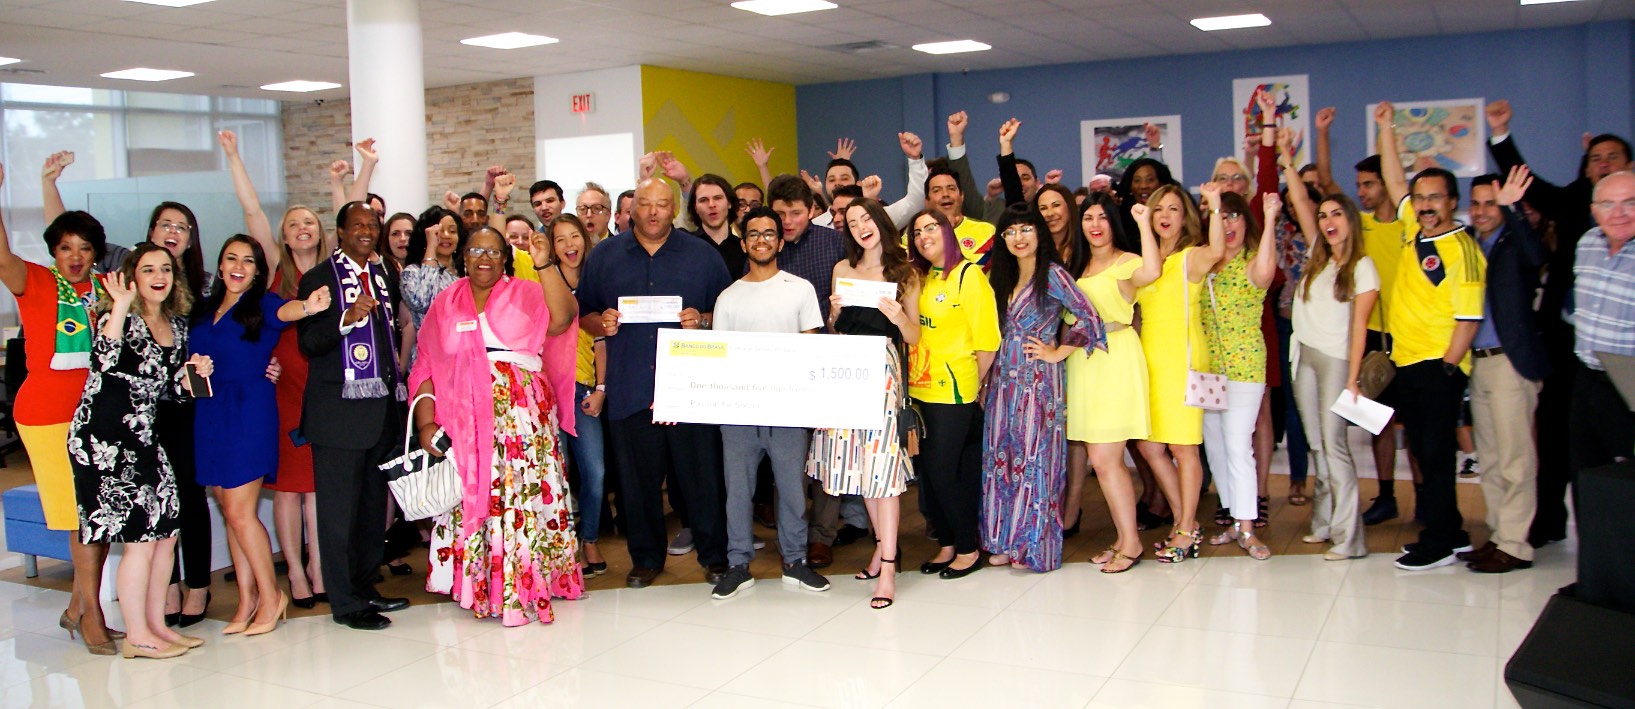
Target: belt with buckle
1488,352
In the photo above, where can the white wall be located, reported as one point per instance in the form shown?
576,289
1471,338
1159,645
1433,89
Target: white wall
616,112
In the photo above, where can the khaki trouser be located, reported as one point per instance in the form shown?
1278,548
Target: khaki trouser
1502,402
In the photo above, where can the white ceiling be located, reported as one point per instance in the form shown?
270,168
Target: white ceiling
237,45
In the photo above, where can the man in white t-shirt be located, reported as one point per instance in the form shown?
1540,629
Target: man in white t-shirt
766,300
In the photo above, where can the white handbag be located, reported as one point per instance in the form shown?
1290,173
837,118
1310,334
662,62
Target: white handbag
1204,390
423,484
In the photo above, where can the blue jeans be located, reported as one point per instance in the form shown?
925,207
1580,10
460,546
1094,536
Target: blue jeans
588,453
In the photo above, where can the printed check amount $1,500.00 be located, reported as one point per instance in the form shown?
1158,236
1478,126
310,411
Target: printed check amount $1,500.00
769,379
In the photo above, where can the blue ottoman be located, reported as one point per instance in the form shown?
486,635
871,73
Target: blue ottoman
25,529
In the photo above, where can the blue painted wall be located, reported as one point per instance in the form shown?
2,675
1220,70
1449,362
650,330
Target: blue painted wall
1562,81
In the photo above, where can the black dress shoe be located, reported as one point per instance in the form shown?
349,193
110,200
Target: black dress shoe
951,573
304,603
931,567
188,619
400,569
714,572
640,577
321,598
387,605
1384,508
364,620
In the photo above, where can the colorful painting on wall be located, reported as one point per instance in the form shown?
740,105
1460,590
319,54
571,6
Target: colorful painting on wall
1448,134
1293,97
1109,145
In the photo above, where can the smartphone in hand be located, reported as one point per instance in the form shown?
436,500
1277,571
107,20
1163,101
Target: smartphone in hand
200,385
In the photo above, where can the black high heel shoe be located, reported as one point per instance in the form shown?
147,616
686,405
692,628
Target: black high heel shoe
188,619
400,568
1073,530
878,599
307,603
931,567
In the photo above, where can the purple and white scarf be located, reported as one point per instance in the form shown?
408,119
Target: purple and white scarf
364,375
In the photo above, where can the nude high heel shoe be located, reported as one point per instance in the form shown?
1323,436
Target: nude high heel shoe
271,625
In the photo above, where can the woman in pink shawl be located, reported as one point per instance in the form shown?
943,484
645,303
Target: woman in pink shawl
509,547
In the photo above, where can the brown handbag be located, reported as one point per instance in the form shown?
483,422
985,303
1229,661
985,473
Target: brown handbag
1377,369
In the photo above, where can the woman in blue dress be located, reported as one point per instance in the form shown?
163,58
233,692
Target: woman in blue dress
236,437
1024,451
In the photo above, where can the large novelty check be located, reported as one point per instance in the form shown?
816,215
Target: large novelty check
770,379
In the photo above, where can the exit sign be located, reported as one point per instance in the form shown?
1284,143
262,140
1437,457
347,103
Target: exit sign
581,103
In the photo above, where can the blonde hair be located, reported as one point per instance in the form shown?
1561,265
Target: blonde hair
289,275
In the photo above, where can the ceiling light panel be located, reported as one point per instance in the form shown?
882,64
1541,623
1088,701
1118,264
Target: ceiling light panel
141,74
783,7
509,40
1231,22
957,46
300,86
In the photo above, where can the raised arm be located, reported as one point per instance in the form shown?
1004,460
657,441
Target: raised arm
902,210
54,165
1266,159
13,270
1305,213
559,297
337,184
1533,253
1008,175
1264,268
255,220
504,183
762,156
1203,259
1395,178
367,157
960,164
1152,264
1549,199
1325,163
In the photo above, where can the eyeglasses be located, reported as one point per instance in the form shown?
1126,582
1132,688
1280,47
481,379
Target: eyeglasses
175,228
1429,198
596,209
1607,205
1231,215
479,252
928,230
1020,231
1232,178
767,235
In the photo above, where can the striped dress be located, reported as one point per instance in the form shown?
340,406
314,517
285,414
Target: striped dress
855,461
1024,446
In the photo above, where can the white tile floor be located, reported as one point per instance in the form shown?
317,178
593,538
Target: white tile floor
1220,633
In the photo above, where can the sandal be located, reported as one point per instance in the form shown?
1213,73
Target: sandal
1223,517
1256,548
878,599
864,575
1297,496
1110,552
1118,555
1175,555
1265,503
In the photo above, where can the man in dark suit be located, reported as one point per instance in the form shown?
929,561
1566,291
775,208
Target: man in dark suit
351,416
1507,370
1569,207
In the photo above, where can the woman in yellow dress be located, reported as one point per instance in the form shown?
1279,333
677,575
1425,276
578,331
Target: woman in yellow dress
1118,265
1173,341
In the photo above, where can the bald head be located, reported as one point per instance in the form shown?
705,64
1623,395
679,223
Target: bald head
1614,206
655,208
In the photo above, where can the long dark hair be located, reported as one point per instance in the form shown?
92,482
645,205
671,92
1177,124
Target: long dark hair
1345,280
192,260
433,217
1123,239
247,311
386,236
1006,271
1078,252
178,303
1234,202
893,259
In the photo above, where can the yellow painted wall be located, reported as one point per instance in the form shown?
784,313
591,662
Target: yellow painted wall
707,119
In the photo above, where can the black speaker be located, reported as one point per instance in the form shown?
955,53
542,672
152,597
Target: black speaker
1605,502
1577,655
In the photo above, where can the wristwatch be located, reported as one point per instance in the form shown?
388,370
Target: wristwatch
1450,368
601,388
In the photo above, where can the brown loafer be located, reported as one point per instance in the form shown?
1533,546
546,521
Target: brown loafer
819,555
641,577
1498,563
1479,554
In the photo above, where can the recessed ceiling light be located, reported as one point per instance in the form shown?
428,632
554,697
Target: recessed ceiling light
301,86
8,60
1231,22
171,3
147,74
783,7
952,47
509,40
1543,2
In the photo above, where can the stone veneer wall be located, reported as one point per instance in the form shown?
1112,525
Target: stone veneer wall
468,128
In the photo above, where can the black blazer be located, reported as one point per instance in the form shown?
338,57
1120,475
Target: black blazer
1569,208
1512,279
327,419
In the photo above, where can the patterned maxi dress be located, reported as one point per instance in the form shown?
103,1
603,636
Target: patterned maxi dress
524,552
1024,447
122,477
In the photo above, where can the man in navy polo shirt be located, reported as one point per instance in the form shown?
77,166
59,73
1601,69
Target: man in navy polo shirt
652,260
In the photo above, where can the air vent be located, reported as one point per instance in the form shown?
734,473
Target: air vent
872,45
21,71
236,86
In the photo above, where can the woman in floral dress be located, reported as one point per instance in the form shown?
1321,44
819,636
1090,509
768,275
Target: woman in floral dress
1024,452
509,547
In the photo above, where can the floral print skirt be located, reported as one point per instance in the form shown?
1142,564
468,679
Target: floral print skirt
524,552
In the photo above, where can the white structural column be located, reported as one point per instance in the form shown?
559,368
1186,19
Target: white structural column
388,83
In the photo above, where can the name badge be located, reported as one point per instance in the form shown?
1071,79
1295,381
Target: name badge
466,326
